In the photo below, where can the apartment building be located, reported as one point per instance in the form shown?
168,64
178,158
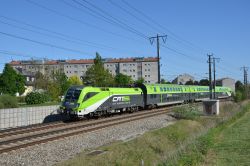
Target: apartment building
137,68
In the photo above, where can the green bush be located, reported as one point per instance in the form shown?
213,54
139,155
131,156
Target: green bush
21,99
186,112
8,101
36,98
1,105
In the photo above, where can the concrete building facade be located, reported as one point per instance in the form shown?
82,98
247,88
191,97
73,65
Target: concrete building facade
137,68
182,79
228,82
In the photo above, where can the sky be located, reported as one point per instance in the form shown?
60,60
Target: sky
77,29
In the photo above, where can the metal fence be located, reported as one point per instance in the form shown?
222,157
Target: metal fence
16,117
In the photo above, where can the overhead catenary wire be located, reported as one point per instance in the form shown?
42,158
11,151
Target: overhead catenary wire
68,38
43,43
78,20
175,37
108,17
155,29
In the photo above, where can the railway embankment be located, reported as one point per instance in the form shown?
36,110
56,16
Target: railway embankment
185,142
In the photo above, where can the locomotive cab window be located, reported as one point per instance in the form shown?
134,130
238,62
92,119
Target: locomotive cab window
89,95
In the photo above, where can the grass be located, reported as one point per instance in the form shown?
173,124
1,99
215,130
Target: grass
182,143
151,147
215,146
232,144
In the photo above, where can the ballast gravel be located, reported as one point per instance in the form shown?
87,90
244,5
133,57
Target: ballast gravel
56,151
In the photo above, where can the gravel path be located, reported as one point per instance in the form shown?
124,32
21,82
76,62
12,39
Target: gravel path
57,151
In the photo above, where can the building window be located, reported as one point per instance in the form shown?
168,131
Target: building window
145,75
75,72
107,65
133,75
148,75
133,70
133,64
82,66
130,64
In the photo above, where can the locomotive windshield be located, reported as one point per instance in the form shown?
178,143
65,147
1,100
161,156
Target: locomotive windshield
72,95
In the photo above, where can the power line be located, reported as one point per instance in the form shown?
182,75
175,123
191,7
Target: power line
43,43
76,20
99,11
133,15
65,37
18,54
177,38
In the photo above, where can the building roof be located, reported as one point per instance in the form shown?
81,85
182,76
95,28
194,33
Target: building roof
90,61
15,63
80,61
221,79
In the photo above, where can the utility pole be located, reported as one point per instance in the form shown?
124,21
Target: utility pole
151,39
245,69
210,75
214,84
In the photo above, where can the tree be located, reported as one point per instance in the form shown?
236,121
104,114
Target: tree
123,80
54,91
140,81
196,83
61,79
190,82
41,81
74,80
204,82
11,82
239,86
97,75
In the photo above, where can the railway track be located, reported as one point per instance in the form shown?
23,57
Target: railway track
17,139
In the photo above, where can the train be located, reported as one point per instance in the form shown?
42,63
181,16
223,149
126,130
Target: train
89,101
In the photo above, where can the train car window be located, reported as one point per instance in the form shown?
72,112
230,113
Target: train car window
89,95
72,95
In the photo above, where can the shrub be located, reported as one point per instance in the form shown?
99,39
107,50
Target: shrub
1,105
21,99
238,96
36,98
8,101
186,112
